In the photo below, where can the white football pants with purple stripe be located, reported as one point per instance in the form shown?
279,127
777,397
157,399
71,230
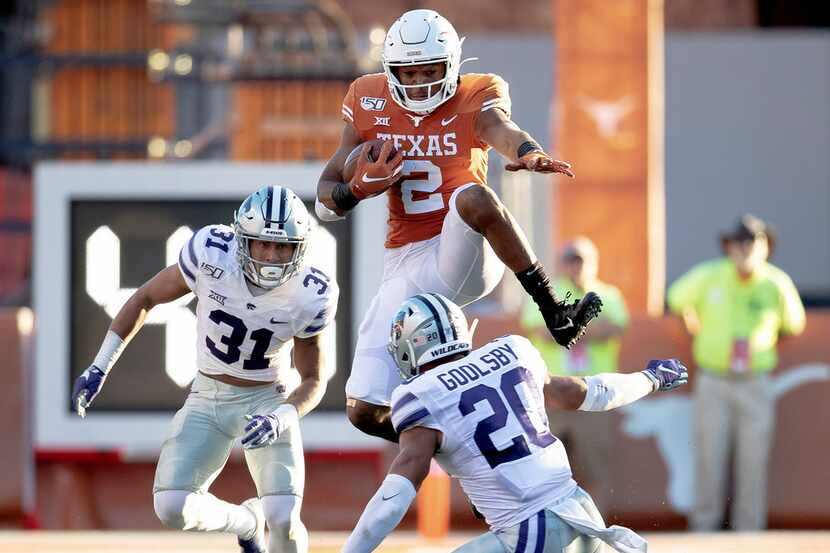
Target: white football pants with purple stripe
543,532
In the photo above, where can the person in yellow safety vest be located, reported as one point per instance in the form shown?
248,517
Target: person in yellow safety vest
588,439
736,307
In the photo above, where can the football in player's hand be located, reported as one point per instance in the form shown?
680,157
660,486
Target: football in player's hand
350,166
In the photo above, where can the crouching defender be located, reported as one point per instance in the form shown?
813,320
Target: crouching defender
256,298
480,413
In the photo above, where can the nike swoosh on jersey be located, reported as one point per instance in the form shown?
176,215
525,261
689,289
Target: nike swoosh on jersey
445,122
390,497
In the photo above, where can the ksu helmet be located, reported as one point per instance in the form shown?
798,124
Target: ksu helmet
427,327
271,214
419,37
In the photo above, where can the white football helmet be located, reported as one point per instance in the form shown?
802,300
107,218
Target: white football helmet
420,37
271,214
427,327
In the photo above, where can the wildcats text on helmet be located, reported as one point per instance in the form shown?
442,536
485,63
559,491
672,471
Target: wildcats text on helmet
445,350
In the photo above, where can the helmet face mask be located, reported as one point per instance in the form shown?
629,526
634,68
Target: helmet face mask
421,37
271,214
427,328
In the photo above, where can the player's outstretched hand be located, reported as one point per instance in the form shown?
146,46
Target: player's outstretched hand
666,374
376,177
540,162
86,388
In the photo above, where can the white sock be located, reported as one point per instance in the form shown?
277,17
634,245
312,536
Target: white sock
202,512
288,534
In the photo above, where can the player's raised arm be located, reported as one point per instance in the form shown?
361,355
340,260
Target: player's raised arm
390,503
166,286
496,128
607,391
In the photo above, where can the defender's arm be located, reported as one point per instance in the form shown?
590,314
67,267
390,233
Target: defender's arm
390,503
166,286
607,391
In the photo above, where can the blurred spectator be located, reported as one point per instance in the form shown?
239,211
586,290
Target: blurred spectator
589,438
736,307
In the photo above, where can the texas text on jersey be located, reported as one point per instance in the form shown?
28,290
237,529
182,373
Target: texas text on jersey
490,409
245,335
442,150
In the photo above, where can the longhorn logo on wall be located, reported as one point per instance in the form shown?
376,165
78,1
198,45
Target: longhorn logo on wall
607,115
660,418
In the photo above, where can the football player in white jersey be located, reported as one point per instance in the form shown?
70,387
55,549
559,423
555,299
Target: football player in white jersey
256,298
480,413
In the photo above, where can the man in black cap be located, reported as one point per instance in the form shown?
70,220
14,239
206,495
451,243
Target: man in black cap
735,307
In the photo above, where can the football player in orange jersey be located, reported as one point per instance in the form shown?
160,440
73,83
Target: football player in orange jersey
448,232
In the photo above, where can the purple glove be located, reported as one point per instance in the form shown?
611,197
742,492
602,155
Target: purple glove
86,388
666,374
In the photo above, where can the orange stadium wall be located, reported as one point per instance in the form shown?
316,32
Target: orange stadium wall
17,463
102,492
607,121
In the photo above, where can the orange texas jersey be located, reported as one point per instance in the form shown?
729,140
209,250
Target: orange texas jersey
441,150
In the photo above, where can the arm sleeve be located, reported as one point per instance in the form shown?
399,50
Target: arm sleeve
611,390
381,515
792,310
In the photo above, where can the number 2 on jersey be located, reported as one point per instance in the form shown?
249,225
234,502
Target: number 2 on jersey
486,427
430,184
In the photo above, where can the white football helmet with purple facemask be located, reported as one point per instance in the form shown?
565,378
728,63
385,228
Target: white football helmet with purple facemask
271,214
421,37
427,327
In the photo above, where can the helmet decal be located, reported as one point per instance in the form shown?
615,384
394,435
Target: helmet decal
426,328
